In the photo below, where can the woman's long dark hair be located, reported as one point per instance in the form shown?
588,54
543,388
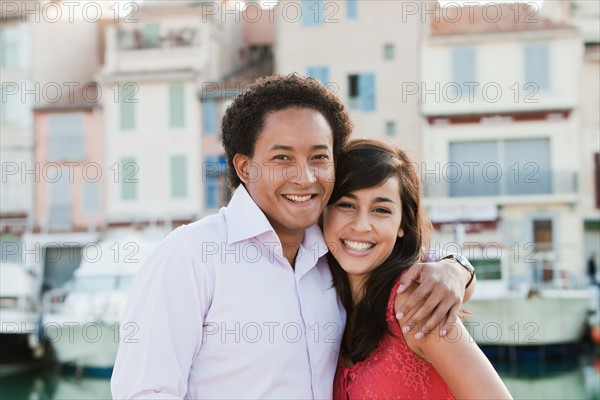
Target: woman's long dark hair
367,163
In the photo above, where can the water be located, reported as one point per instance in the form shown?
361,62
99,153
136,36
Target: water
576,378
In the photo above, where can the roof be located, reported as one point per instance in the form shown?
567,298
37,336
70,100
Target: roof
491,18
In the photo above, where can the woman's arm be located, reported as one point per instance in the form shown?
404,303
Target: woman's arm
460,362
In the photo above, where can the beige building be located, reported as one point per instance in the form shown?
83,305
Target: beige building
502,158
365,51
153,69
16,124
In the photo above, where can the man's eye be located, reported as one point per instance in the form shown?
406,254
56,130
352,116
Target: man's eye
322,157
281,157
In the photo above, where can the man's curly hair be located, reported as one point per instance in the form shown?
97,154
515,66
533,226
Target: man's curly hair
245,117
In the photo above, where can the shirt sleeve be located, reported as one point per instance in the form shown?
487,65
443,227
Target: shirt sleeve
161,329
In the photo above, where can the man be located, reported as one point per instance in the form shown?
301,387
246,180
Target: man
241,304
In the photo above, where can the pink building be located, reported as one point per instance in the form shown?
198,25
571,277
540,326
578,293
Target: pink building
69,158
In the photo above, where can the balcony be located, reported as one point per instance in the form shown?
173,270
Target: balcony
173,48
504,186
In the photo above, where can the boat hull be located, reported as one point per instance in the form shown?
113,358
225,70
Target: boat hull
547,318
86,345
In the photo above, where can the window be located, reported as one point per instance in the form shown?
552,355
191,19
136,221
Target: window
597,178
464,72
176,105
12,188
209,117
390,128
178,176
91,197
10,104
212,172
319,73
60,201
361,92
537,65
151,34
10,46
510,167
313,12
351,9
66,139
487,268
129,178
527,166
388,51
127,100
482,158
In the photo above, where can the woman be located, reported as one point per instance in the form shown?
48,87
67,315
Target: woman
375,229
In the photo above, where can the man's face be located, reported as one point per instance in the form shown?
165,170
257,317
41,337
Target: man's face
291,174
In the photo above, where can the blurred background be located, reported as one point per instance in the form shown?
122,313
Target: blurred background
110,120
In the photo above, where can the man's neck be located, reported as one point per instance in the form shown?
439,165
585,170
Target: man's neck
290,243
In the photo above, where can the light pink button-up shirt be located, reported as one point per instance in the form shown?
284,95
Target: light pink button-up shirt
218,312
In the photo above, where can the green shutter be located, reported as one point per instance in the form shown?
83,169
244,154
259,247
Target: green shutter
127,102
129,178
176,105
178,177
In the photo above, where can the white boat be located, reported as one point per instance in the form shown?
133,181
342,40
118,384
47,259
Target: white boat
81,320
533,314
20,317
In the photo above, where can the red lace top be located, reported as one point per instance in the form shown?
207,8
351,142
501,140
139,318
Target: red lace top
392,370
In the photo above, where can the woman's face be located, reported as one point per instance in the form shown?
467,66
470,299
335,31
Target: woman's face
361,228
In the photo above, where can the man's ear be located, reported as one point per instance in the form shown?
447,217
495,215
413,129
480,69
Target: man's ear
241,163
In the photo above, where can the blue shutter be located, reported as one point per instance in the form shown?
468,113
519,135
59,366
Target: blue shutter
313,12
366,88
351,9
91,197
463,69
209,117
211,181
537,65
60,201
321,73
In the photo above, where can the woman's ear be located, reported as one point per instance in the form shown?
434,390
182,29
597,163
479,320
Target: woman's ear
241,163
400,232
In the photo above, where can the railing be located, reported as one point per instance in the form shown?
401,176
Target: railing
455,181
175,38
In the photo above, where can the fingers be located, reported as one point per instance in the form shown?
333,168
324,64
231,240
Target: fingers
452,319
431,313
416,307
438,317
408,277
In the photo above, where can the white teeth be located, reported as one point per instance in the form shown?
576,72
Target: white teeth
298,199
358,246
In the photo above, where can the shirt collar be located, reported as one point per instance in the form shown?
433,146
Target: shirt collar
243,218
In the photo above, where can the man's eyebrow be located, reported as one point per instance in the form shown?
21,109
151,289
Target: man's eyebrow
290,148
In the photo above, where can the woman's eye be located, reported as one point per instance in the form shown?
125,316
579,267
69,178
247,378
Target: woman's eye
381,210
322,157
345,205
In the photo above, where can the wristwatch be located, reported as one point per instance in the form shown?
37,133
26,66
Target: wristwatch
465,264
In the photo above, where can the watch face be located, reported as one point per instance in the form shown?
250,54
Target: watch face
464,262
